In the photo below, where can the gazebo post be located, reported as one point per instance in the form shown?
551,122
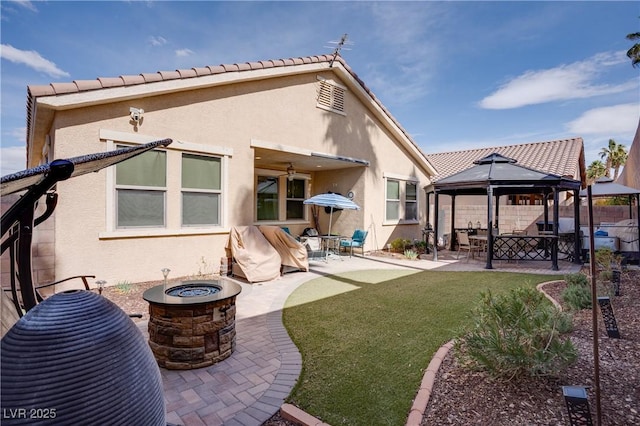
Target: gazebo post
428,208
638,220
497,224
453,222
436,208
556,213
576,227
545,198
489,265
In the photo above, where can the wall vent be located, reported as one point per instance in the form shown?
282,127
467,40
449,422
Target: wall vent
330,96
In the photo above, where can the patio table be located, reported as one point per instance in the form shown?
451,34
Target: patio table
331,244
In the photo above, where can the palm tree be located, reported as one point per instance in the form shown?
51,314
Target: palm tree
605,154
618,158
595,170
634,52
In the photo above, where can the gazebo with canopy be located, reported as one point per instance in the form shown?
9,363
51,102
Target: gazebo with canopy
606,187
497,175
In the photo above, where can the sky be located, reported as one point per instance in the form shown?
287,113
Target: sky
455,75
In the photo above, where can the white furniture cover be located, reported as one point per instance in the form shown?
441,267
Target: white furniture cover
293,254
254,258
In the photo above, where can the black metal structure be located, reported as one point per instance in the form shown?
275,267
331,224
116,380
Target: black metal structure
608,317
577,405
496,176
19,221
606,187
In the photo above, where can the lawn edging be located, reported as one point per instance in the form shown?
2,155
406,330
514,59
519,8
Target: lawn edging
540,288
421,400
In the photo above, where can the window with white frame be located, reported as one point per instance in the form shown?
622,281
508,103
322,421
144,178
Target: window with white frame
166,191
295,197
267,198
280,198
393,200
401,200
411,201
141,190
201,190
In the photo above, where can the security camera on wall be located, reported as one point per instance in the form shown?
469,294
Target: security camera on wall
136,114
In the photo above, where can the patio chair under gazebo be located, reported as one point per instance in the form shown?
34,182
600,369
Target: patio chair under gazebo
497,175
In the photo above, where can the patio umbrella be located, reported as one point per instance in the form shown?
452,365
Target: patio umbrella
333,201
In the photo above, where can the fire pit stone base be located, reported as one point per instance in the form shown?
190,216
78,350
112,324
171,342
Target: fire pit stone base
187,336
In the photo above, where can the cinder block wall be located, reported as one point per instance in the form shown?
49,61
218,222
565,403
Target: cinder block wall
525,217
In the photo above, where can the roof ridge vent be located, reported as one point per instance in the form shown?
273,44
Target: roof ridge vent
495,158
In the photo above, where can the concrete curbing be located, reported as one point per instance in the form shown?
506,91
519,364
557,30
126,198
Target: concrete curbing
540,288
294,414
421,400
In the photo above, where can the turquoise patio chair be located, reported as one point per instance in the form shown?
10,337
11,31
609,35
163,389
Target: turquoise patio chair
356,241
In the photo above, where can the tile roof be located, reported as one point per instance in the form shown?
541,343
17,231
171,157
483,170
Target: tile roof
101,83
559,157
78,86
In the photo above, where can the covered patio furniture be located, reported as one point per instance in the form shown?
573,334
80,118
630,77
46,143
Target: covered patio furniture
495,176
292,253
627,232
356,241
254,258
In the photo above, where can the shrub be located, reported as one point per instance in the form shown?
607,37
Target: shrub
576,279
399,244
516,334
607,260
420,246
123,287
577,297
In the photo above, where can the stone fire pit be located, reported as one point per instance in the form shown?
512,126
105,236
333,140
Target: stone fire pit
192,324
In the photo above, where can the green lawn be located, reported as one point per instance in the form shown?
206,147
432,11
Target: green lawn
366,337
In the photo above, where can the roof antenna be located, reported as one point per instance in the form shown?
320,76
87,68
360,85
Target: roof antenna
339,46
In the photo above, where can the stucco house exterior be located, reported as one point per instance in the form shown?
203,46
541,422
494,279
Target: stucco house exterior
251,141
630,175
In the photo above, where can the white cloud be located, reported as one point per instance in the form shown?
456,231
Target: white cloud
26,4
157,40
611,120
572,81
32,59
184,52
12,159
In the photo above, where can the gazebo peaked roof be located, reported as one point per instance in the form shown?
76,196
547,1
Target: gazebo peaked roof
606,187
501,172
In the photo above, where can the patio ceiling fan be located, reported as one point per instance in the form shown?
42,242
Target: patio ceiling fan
291,173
